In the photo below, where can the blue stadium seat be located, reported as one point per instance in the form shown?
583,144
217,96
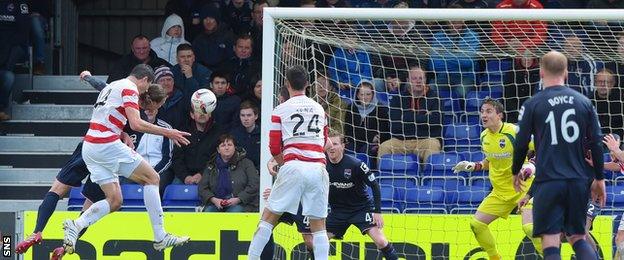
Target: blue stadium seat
480,182
473,156
461,136
363,157
468,200
75,200
440,164
180,198
407,182
494,71
398,164
470,119
450,102
615,196
425,200
474,99
132,197
443,182
391,198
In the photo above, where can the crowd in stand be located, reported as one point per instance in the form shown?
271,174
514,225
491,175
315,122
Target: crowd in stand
384,104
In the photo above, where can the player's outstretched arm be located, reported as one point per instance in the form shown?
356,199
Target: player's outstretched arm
466,166
614,146
140,125
93,81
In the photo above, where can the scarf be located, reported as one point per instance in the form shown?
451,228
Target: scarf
224,182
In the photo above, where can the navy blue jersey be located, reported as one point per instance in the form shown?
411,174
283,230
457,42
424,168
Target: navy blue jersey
562,122
347,185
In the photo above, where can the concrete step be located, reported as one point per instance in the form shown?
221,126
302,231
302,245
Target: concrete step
45,127
52,112
34,159
22,192
51,82
38,143
61,97
28,176
14,205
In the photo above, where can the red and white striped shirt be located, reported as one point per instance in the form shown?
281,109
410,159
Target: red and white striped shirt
299,130
109,115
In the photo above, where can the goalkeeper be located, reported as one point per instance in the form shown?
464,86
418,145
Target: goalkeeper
497,144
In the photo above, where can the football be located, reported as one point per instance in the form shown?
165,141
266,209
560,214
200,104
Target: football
203,101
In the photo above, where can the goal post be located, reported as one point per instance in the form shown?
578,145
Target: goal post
465,55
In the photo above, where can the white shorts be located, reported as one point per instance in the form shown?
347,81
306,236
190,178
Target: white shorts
621,227
107,161
304,182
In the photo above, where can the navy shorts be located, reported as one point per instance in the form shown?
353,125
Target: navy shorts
559,206
303,223
338,221
75,170
92,191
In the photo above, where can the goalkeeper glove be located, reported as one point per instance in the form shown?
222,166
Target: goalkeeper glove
466,166
527,170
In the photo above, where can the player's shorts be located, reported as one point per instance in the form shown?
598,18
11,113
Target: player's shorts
302,223
108,161
557,208
497,206
92,191
338,221
304,182
621,226
75,170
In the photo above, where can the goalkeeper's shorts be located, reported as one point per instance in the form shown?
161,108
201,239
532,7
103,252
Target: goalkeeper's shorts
495,205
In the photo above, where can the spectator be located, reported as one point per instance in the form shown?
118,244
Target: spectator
15,25
376,4
41,12
177,104
582,67
189,11
188,74
242,67
453,52
607,99
332,3
616,66
230,182
391,88
214,44
331,102
415,121
255,97
605,4
247,134
189,161
256,29
226,112
366,123
470,3
141,54
171,36
519,84
516,35
238,15
347,68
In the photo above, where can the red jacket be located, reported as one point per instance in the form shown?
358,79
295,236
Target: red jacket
529,33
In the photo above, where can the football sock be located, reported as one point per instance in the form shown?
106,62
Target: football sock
47,207
260,239
619,252
97,211
552,253
151,197
269,249
321,245
583,250
389,252
484,237
84,229
537,241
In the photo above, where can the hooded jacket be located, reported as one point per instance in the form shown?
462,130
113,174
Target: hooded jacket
165,46
364,122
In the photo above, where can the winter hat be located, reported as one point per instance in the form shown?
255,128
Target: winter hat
162,71
210,10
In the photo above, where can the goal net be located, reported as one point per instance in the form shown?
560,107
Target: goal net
405,86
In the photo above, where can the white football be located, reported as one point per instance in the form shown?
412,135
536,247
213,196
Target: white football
203,101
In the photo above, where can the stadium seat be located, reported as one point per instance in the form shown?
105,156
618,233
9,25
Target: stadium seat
440,164
132,197
475,98
468,200
180,198
398,164
407,182
76,200
615,196
450,102
391,198
363,157
461,136
443,182
473,156
425,200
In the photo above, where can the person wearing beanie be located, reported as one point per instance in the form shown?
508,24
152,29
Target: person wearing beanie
178,102
214,45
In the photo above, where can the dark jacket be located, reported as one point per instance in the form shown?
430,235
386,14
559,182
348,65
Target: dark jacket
124,66
242,71
359,132
519,84
200,79
15,31
245,181
239,19
610,111
176,109
226,112
213,49
423,122
249,141
187,10
191,159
